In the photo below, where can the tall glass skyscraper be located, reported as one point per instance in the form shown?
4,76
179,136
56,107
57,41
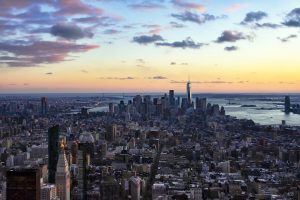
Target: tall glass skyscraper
44,106
53,152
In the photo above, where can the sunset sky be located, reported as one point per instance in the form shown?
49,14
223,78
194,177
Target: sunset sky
149,46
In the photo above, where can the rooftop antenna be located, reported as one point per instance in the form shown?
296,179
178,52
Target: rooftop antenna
189,78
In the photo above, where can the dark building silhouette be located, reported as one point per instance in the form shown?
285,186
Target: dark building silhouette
111,132
189,93
287,104
53,152
171,98
201,104
111,108
109,188
44,106
82,163
23,183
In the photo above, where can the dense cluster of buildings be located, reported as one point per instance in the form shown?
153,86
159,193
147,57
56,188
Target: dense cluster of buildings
161,147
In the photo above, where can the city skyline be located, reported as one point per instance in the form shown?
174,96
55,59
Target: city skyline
150,46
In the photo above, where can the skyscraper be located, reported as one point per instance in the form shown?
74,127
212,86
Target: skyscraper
62,177
287,104
23,183
135,188
111,132
201,104
189,93
53,152
44,106
48,192
171,98
82,163
111,108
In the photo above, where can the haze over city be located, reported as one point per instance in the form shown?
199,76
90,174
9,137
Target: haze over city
149,46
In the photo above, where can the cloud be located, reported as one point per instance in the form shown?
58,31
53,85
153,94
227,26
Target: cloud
243,82
254,17
202,82
234,7
195,18
173,63
231,48
61,7
145,39
286,82
103,21
154,28
146,6
287,39
84,71
266,25
158,77
35,15
293,18
111,31
75,7
141,61
187,43
70,32
118,78
232,36
49,73
188,5
33,53
176,25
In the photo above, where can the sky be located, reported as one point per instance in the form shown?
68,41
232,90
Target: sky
149,46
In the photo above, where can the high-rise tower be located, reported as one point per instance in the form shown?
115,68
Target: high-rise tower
287,104
23,183
44,106
62,176
189,93
53,152
171,98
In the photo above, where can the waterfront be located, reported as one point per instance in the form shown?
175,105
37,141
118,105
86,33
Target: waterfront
267,109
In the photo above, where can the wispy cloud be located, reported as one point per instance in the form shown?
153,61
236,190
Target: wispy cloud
196,18
146,6
118,78
153,28
231,48
111,31
28,53
203,82
183,4
176,25
266,25
184,44
288,38
157,77
146,39
234,7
